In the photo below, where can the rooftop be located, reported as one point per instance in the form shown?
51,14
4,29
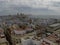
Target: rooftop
52,38
3,40
54,25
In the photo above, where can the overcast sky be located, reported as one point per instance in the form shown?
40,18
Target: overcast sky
37,7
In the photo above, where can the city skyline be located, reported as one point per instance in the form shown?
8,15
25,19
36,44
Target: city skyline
36,7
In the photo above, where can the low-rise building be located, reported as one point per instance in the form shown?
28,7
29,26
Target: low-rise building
15,33
57,32
50,40
3,40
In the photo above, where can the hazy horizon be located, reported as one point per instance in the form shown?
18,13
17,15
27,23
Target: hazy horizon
34,7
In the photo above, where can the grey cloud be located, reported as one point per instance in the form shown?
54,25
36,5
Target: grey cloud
56,4
7,7
15,9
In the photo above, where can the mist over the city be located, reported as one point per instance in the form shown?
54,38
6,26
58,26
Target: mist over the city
36,7
29,22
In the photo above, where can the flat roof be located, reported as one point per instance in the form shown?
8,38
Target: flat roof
54,25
